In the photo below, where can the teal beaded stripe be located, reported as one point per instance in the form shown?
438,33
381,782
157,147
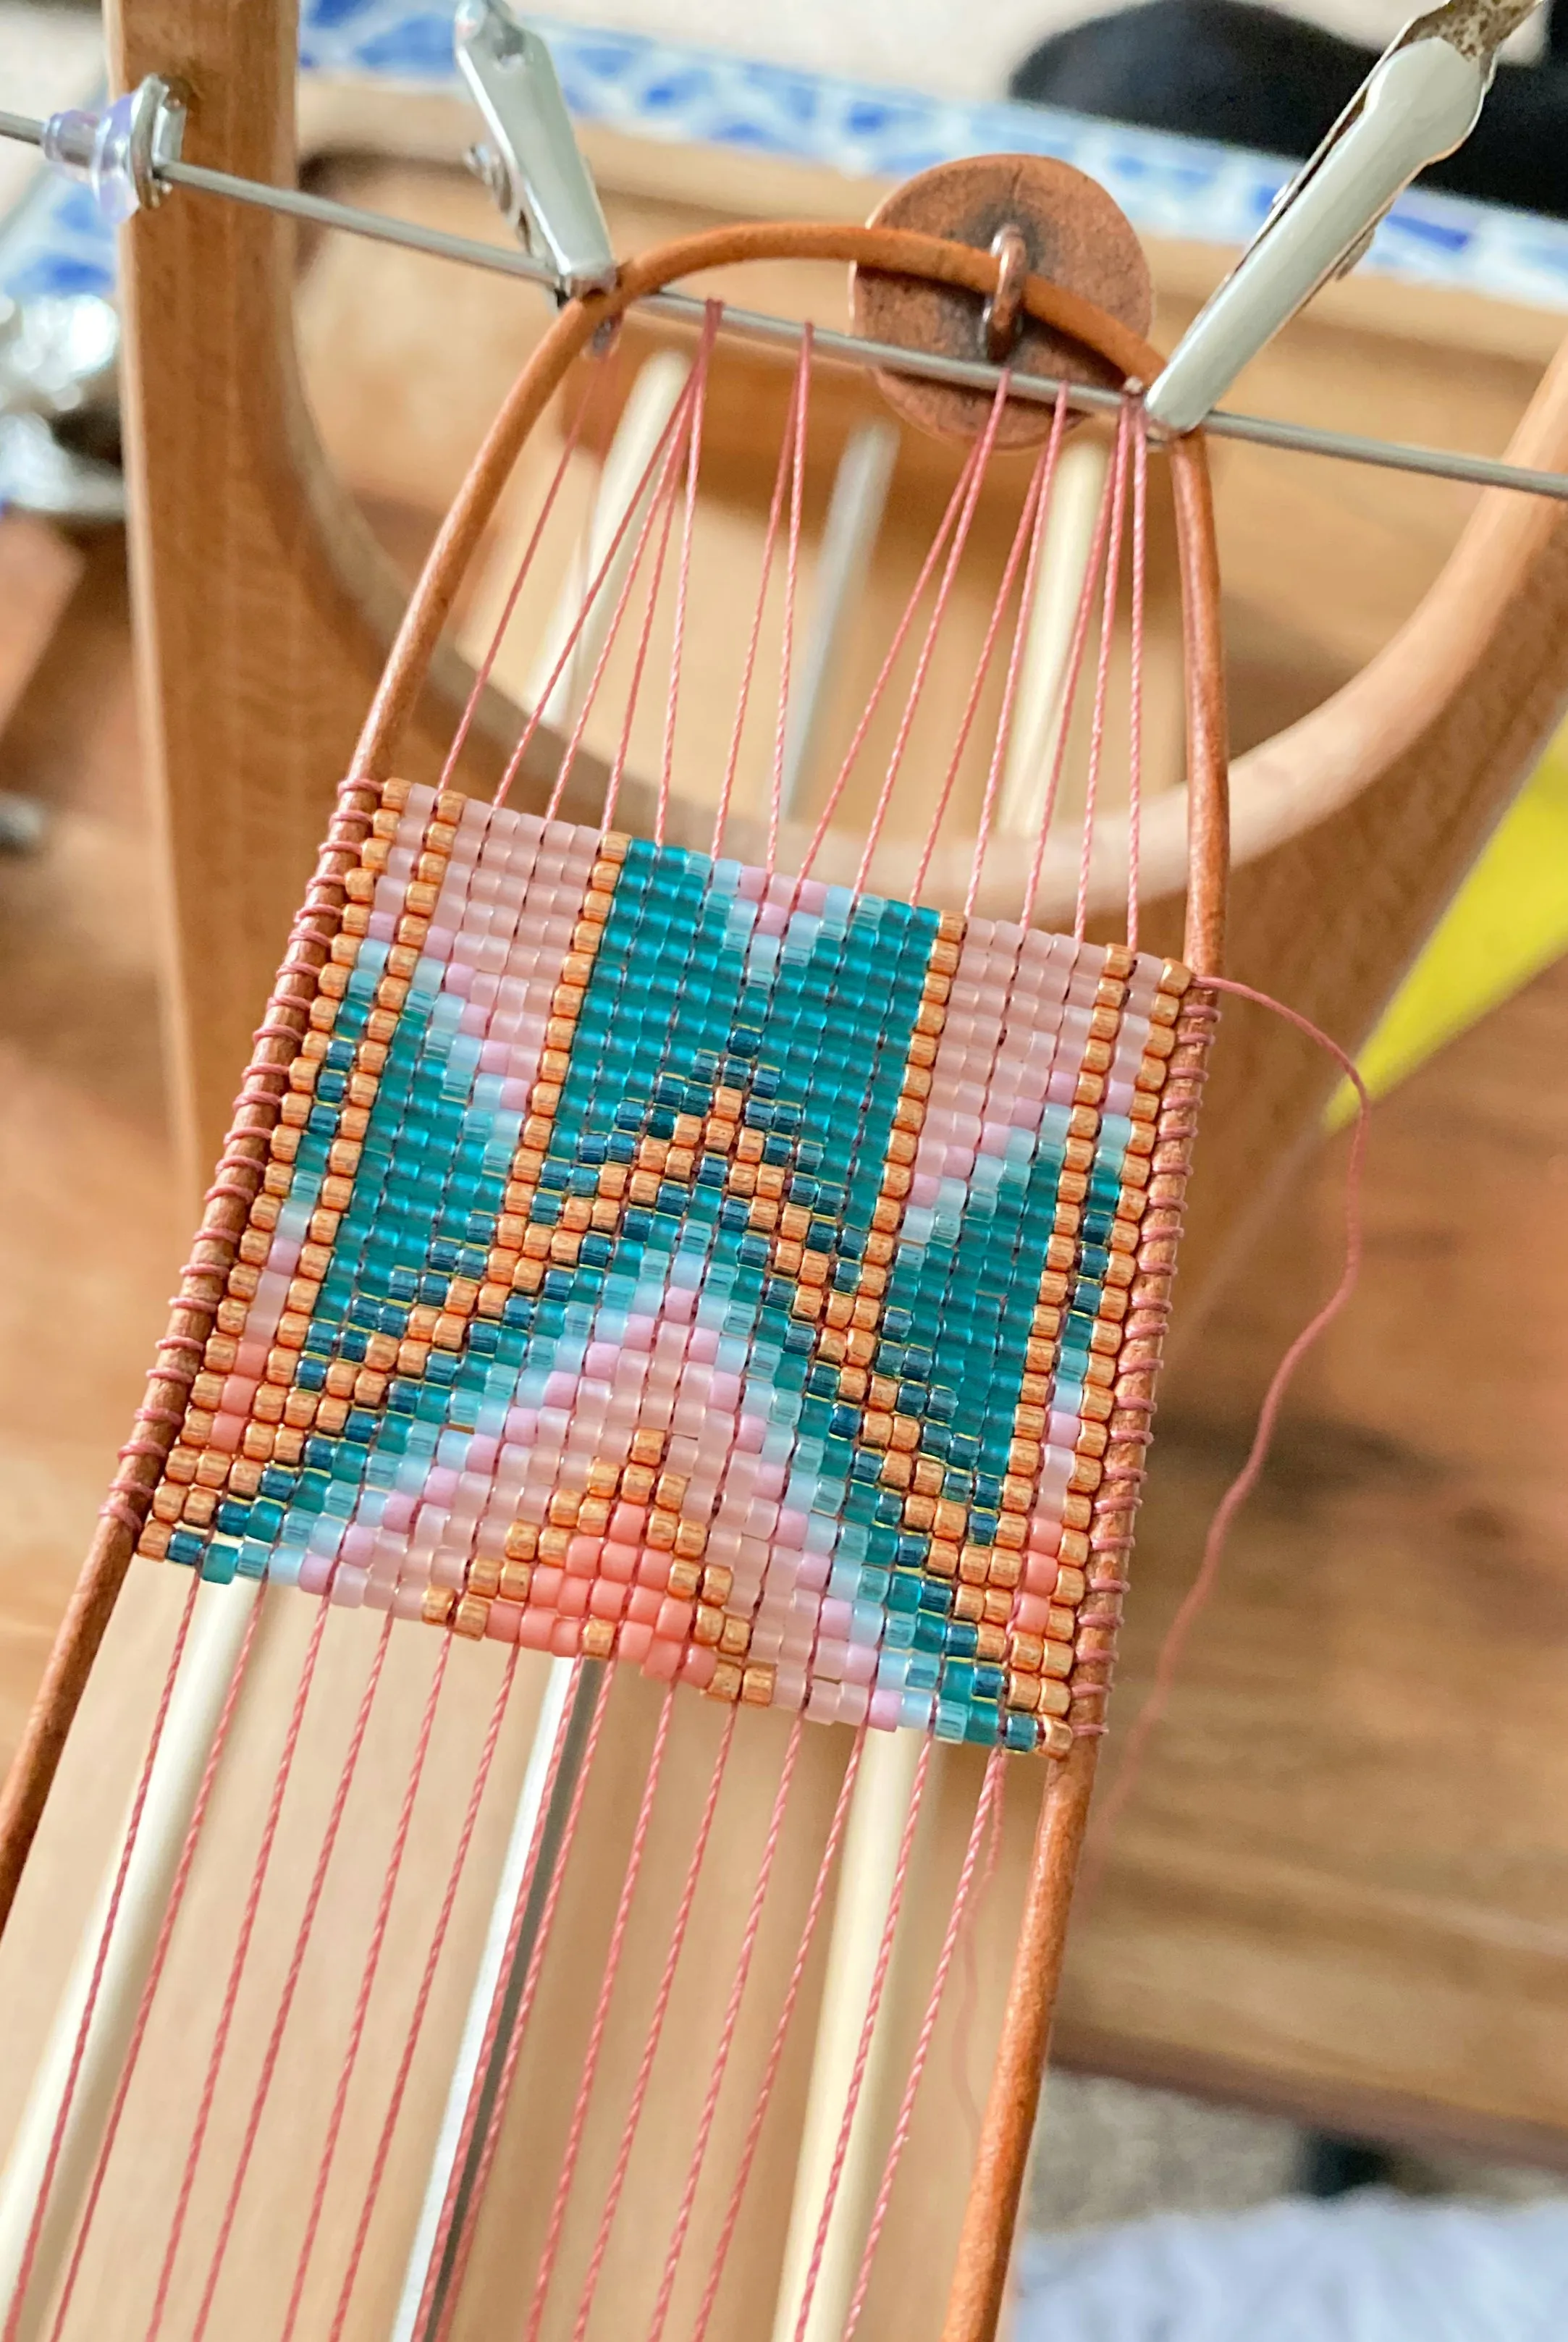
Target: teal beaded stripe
661,1261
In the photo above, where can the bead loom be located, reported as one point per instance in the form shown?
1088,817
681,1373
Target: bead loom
743,1277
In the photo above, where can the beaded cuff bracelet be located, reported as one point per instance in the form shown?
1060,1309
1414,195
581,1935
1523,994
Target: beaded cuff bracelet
754,1280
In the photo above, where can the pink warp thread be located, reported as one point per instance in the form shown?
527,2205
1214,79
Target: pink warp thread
727,2034
781,2031
361,2000
683,583
1046,477
955,504
663,505
655,2030
149,1991
595,2042
976,479
792,579
464,2242
604,372
1024,534
665,498
1135,677
862,2048
770,539
1116,495
94,1982
659,463
291,1981
668,496
990,1793
1068,693
969,1982
509,1954
422,1997
237,1968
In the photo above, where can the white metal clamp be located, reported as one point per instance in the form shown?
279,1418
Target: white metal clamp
1421,100
531,161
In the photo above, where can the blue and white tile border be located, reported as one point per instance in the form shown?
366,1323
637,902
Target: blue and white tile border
1168,187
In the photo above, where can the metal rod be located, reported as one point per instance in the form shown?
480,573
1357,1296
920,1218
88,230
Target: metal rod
324,212
1389,454
499,1982
753,325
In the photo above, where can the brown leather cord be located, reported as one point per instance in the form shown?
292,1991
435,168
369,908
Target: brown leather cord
979,2284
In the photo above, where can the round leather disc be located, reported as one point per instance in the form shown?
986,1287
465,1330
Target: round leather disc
1074,234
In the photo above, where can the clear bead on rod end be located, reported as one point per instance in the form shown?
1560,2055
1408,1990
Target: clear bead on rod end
116,152
95,148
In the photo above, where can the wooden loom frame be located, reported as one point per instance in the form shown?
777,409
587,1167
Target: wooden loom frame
1394,780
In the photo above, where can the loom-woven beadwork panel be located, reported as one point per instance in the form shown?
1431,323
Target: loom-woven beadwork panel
723,1274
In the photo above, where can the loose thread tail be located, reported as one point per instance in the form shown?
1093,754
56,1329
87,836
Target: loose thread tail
1203,1587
